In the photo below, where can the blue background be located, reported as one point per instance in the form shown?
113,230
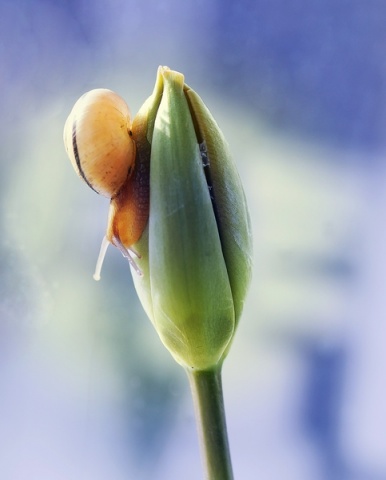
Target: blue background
298,88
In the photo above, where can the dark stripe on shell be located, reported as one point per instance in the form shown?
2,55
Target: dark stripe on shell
77,158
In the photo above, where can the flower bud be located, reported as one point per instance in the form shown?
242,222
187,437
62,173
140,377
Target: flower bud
196,252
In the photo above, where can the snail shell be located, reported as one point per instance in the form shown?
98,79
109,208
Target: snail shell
98,141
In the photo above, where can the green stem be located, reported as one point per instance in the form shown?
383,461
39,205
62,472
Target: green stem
208,400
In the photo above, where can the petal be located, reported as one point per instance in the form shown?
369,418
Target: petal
229,198
191,295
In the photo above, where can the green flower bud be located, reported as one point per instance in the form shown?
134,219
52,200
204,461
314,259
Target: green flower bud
196,252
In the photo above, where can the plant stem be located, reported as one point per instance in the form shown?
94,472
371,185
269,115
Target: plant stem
208,401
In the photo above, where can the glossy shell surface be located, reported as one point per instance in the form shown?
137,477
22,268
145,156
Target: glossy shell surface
98,141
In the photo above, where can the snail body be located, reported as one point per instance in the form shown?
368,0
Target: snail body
99,142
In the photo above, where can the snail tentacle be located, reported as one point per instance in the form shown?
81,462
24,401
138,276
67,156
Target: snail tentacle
127,255
101,257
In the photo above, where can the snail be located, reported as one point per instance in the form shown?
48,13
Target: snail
100,144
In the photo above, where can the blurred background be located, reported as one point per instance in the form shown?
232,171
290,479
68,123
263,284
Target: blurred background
299,90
